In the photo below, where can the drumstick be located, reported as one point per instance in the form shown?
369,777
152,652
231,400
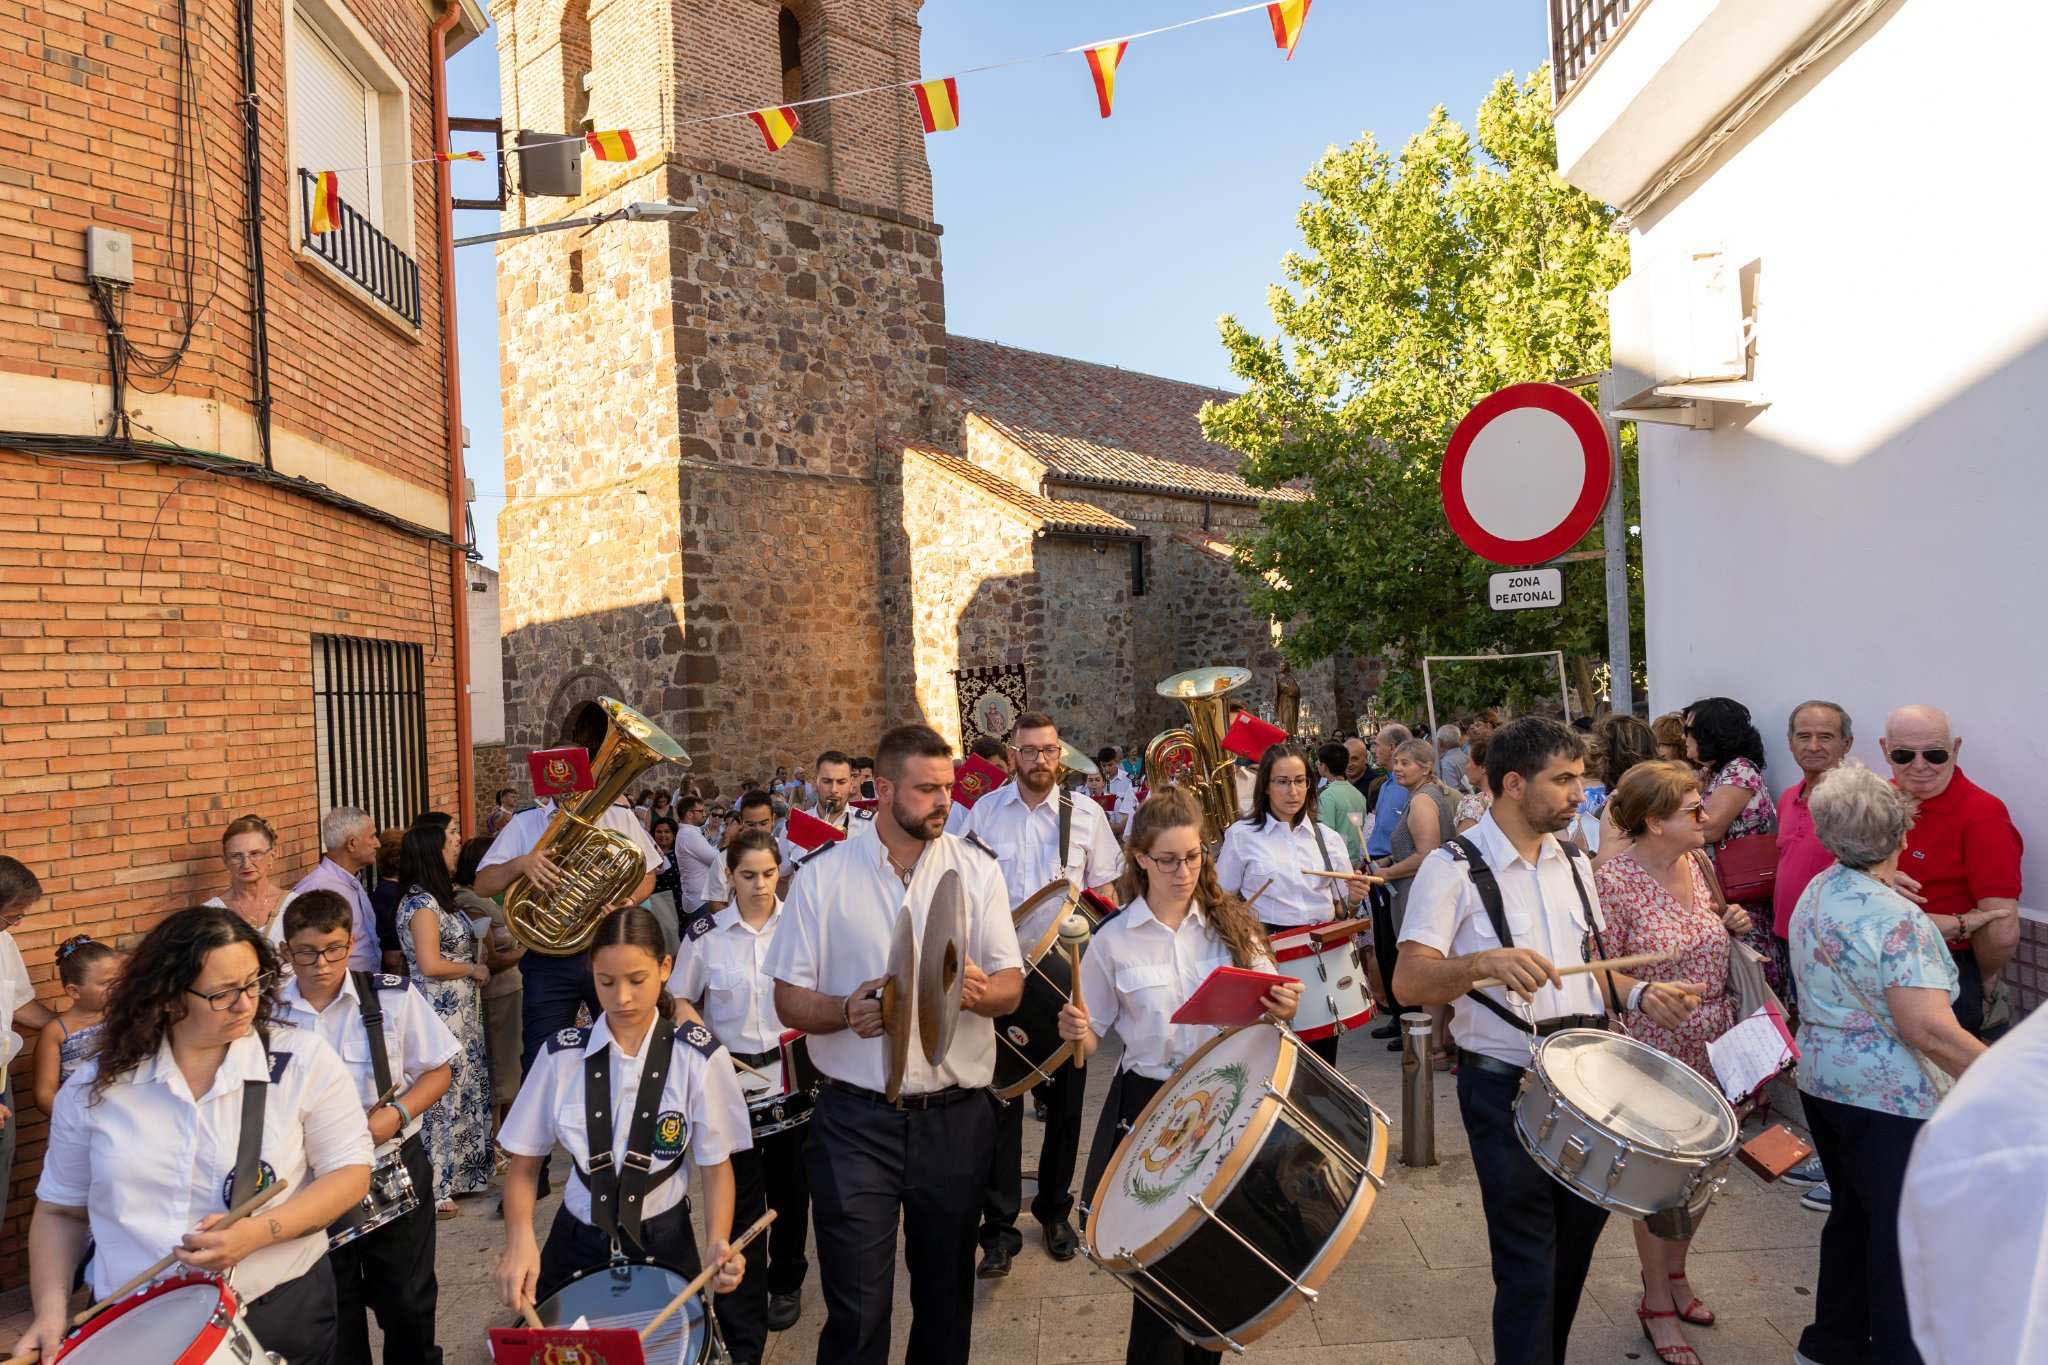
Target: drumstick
1256,894
234,1216
1074,936
526,1312
704,1277
1613,964
1365,877
756,1070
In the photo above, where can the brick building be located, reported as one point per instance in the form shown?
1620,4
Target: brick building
234,589
753,484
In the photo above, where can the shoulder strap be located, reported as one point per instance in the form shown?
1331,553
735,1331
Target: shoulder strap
1066,829
249,1147
1572,854
373,1026
1336,897
1483,882
618,1195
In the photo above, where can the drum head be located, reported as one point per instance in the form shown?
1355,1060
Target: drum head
1638,1093
1056,890
158,1325
630,1296
1185,1139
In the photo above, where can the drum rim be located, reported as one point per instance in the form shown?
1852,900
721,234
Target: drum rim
1040,1072
1647,1148
211,1334
1352,927
1322,1031
1030,904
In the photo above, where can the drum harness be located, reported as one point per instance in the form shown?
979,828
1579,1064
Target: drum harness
373,1025
248,1177
617,1196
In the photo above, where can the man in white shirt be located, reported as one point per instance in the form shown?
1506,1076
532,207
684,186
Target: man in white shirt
832,779
756,811
923,1159
1508,901
696,859
1040,834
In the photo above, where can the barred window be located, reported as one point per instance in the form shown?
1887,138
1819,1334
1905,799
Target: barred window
370,727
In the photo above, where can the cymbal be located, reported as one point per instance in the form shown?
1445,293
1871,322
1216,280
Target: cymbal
896,997
941,966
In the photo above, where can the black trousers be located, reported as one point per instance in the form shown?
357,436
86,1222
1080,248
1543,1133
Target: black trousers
1859,1304
391,1273
872,1164
296,1319
1969,1002
1005,1193
553,988
1325,1048
1386,947
1152,1339
1541,1235
770,1174
574,1246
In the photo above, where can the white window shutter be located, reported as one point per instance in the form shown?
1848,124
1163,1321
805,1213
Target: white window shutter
331,118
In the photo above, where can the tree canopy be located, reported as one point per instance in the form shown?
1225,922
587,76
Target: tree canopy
1425,281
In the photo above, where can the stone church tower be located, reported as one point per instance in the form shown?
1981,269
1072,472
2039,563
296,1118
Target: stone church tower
695,408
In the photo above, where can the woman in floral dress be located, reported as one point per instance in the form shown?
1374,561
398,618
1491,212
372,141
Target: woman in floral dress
442,957
1720,738
1654,898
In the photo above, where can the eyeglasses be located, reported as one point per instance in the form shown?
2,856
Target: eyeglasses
222,1001
240,858
306,957
1037,750
1171,864
1698,813
1936,756
1287,782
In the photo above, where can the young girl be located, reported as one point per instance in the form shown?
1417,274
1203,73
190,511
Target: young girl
87,970
693,1106
1176,927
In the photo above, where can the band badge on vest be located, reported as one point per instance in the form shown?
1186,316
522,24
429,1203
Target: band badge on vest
669,1133
266,1176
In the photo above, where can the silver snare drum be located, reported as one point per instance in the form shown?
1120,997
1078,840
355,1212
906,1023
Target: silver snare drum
391,1196
1626,1127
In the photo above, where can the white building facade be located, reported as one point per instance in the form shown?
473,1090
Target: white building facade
1835,345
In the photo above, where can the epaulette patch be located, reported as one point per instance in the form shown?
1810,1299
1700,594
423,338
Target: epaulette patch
278,1062
700,924
387,982
701,1038
975,839
569,1038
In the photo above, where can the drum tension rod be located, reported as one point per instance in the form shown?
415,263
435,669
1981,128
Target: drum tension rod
1188,1308
1329,1144
1303,1053
1264,1259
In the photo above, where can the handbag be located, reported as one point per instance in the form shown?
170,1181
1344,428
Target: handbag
1745,964
1748,868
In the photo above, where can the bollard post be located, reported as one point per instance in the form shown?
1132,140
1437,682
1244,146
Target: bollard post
1418,1091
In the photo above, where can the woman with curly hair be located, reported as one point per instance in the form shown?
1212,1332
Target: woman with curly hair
147,1149
1730,753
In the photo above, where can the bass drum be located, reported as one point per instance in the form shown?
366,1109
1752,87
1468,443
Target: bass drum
630,1294
1029,1048
185,1320
1240,1187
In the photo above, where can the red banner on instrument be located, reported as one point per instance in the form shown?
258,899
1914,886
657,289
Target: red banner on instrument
557,772
864,803
1249,737
977,778
808,831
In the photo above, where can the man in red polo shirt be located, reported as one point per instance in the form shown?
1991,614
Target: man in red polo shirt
1819,735
1964,851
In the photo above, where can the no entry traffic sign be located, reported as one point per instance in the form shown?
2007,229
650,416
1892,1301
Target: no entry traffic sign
1526,473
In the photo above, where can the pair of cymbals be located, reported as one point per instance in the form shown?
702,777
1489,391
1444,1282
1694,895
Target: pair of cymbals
929,975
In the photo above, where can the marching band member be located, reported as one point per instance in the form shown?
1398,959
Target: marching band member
195,1102
1177,926
1507,900
683,1098
924,1158
832,781
718,971
1271,846
756,811
391,1270
1039,834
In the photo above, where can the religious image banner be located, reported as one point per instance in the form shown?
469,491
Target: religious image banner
991,699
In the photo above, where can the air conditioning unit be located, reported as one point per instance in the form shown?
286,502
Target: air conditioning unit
1679,330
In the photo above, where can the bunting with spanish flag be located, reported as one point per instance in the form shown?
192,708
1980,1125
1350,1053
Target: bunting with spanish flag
326,212
938,104
1102,63
1288,17
614,144
458,156
777,126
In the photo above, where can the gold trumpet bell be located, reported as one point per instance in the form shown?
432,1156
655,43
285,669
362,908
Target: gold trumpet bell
1074,763
1192,755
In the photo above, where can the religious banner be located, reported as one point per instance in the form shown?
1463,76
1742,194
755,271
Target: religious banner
990,701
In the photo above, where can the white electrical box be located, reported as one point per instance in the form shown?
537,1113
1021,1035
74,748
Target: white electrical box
1680,320
109,256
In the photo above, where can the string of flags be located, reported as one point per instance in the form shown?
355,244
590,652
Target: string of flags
938,102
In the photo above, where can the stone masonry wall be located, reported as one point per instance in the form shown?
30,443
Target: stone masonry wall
1088,684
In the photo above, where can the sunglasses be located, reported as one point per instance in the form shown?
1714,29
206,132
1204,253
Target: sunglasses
1935,756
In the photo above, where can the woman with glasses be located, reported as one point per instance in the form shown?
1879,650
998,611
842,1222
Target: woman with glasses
1177,925
247,849
1656,898
147,1149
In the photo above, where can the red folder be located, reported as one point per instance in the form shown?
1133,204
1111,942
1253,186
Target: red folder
864,803
553,1345
807,831
1229,997
1249,737
1108,803
557,772
977,778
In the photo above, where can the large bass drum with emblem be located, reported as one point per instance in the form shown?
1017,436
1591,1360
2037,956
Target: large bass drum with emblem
1240,1187
185,1320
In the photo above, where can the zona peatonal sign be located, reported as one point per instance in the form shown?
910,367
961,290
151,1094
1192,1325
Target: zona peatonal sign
1521,589
1526,474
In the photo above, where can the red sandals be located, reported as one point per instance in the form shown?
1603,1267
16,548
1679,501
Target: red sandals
1670,1355
1696,1313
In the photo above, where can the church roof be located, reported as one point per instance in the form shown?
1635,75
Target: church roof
1051,514
1099,425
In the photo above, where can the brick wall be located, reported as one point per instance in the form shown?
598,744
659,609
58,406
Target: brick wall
2028,972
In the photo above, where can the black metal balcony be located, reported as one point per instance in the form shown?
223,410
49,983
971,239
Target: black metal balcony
362,253
1579,31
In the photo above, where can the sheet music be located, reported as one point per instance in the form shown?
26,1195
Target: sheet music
1752,1052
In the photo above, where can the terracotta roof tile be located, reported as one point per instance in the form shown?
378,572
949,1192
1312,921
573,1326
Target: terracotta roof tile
1053,514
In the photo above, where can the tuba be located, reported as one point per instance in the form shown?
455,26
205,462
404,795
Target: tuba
600,867
1192,755
1073,763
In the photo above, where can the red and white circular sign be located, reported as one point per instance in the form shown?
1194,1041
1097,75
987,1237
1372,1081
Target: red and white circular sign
1526,473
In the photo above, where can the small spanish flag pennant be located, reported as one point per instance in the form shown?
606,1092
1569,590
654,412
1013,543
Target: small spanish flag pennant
777,126
458,156
938,104
614,145
326,214
1102,66
1287,17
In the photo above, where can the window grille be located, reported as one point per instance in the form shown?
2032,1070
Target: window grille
370,727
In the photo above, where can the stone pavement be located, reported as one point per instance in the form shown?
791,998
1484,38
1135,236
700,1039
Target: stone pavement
1414,1289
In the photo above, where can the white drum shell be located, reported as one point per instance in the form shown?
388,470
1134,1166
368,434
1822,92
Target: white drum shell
165,1326
1335,996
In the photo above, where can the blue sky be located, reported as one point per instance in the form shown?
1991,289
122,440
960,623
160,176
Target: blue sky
1119,240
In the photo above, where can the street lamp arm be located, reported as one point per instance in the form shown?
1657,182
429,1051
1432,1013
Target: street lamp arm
632,213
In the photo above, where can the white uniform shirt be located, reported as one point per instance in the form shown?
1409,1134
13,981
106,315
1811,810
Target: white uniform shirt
1121,787
702,1091
16,990
792,854
720,960
1277,852
1542,911
959,818
523,831
1137,972
696,860
148,1161
415,1039
835,934
1027,843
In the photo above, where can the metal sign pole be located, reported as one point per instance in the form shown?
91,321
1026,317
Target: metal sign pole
1614,533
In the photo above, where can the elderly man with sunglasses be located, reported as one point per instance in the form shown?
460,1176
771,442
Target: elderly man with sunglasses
1964,852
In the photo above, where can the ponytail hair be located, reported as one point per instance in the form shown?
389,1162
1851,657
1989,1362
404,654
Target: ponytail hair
634,926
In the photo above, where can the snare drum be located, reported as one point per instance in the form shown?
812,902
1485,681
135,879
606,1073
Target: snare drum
630,1294
1327,961
391,1196
782,1089
1626,1127
1029,1048
186,1320
1240,1187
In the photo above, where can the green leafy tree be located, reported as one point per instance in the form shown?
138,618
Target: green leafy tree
1426,281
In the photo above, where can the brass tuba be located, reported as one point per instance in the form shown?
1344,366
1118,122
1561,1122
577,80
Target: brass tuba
1073,763
1192,756
600,867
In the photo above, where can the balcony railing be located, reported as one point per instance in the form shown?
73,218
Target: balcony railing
1579,29
365,255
